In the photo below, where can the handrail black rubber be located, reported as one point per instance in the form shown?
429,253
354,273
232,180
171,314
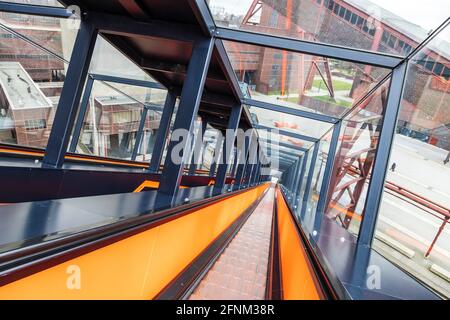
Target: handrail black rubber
274,284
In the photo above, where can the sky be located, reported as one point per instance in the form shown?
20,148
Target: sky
429,14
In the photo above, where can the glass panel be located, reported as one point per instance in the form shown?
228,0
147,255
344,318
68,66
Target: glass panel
316,183
274,136
209,145
52,34
107,60
110,124
416,199
31,77
300,81
352,23
287,122
354,160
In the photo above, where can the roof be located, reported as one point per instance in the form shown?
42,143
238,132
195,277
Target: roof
20,90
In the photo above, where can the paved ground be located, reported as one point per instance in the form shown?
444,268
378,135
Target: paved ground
241,270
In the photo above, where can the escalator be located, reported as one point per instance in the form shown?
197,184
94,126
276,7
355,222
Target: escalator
137,246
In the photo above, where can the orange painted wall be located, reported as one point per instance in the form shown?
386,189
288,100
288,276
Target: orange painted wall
140,266
297,277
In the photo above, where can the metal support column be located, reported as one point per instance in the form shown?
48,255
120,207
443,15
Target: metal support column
307,193
198,147
251,159
381,160
302,177
139,134
233,124
217,153
81,114
70,95
162,132
244,154
321,205
187,113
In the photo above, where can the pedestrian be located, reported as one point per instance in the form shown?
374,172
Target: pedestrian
393,166
447,159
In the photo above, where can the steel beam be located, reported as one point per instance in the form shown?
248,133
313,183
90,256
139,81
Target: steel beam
139,134
128,81
187,112
291,111
81,115
124,26
321,205
244,154
46,11
286,133
311,170
283,145
162,132
381,160
233,124
70,95
204,17
302,177
312,48
217,153
198,144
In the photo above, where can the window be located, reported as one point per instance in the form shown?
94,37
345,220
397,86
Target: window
360,22
392,41
348,15
385,37
438,68
342,12
336,9
407,49
429,65
446,73
35,124
331,4
354,18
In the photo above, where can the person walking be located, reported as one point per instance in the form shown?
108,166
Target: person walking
393,166
447,159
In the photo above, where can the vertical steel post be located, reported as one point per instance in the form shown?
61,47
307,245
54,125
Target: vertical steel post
139,134
198,144
187,112
321,205
233,124
308,188
241,166
217,153
70,95
381,160
81,114
162,132
302,177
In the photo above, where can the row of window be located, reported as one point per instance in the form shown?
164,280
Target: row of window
35,124
387,38
431,65
25,56
43,36
351,17
126,116
394,43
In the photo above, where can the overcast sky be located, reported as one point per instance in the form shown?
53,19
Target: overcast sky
427,13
